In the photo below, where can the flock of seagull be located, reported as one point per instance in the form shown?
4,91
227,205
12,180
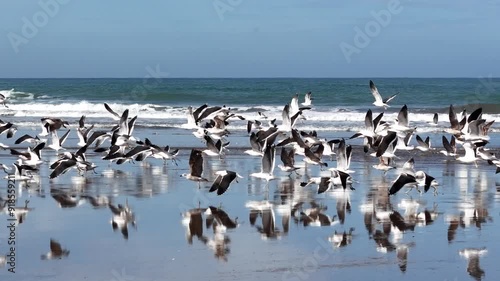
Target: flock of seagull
381,139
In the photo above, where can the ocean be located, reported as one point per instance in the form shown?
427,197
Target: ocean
450,235
339,104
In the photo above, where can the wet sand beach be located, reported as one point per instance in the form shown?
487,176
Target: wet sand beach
463,214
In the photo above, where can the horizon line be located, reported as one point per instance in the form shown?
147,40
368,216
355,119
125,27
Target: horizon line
278,77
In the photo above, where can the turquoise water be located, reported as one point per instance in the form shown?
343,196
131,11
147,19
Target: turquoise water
420,93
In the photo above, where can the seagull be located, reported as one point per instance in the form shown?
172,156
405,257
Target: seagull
268,161
307,100
256,146
29,139
56,251
30,157
402,180
289,119
341,178
388,146
19,174
423,145
344,153
58,142
324,183
470,153
402,124
214,148
288,161
426,181
223,180
384,165
378,99
195,167
3,99
435,119
83,132
50,125
450,148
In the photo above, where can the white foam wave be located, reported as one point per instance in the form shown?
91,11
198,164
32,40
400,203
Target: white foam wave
13,94
321,119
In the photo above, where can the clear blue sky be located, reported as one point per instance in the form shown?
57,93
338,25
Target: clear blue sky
253,38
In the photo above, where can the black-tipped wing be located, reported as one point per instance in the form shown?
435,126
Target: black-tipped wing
390,98
384,144
403,116
447,145
324,184
222,182
428,182
62,168
453,119
111,111
401,181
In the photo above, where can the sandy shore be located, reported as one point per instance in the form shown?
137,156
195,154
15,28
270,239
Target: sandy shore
158,248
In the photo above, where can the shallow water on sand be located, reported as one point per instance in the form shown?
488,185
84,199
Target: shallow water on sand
464,214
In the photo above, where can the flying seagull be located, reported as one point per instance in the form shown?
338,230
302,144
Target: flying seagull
223,180
56,251
267,168
195,167
378,98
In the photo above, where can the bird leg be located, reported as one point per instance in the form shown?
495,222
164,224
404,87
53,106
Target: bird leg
419,191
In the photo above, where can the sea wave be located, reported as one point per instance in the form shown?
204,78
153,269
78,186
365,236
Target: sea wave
12,94
160,116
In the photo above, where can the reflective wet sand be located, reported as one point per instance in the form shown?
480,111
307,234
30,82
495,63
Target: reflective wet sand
159,227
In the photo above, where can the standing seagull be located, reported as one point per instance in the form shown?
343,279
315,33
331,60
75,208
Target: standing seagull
267,168
378,98
195,167
223,180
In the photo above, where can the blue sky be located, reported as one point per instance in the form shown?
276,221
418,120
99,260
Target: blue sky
250,38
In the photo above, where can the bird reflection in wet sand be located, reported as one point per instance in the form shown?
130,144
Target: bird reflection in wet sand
454,223
314,216
19,212
56,251
473,267
402,254
66,199
122,216
341,239
220,223
97,202
343,206
193,221
215,218
264,210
